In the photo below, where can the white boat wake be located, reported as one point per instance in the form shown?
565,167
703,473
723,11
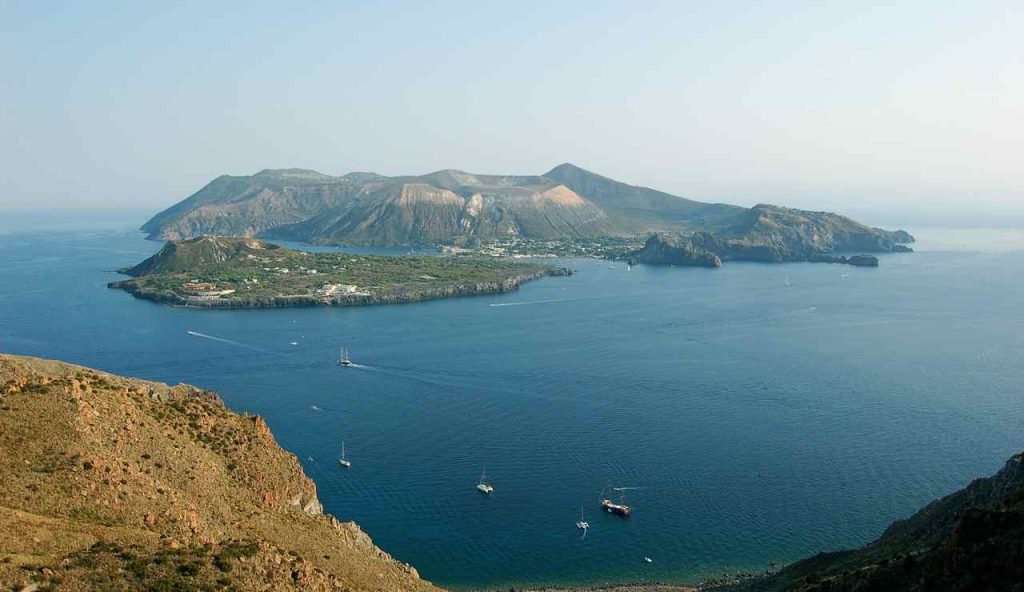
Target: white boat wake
497,304
227,341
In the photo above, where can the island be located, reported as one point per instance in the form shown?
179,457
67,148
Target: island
566,211
231,272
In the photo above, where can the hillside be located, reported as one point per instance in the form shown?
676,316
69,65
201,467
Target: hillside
113,483
458,208
225,272
368,209
640,209
970,540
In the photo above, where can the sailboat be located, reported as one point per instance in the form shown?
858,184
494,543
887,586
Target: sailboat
343,358
483,487
582,524
344,461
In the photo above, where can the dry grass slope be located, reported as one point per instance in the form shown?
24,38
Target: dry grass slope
111,483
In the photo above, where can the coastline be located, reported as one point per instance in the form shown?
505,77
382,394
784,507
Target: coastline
721,582
394,295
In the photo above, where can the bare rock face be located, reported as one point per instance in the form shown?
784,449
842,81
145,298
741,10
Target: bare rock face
127,484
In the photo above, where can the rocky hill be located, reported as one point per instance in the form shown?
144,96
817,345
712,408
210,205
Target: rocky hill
970,540
112,483
664,249
455,207
768,233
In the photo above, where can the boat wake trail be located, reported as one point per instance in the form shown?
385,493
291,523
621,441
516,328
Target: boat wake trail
25,293
498,304
227,341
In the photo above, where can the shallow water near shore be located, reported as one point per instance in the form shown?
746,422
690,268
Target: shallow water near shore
757,412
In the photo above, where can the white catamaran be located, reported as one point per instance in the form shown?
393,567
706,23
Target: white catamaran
344,461
483,486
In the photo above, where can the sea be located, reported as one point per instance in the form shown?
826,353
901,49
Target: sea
750,415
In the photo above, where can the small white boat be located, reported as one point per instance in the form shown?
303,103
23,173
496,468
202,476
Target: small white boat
648,560
344,461
482,486
582,524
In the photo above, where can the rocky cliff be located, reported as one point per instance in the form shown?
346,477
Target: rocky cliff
123,484
706,249
663,249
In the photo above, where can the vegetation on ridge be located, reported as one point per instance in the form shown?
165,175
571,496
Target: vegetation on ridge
972,539
237,272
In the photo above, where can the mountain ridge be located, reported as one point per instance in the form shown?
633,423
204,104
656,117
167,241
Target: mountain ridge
451,206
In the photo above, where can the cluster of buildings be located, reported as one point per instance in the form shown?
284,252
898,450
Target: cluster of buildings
332,290
285,270
203,290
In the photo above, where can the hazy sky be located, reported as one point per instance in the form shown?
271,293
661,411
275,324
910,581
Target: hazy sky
907,110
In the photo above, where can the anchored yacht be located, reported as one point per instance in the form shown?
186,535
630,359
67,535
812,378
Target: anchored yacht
344,461
482,486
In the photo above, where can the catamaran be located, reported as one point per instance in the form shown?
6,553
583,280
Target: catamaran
344,461
343,359
582,524
483,486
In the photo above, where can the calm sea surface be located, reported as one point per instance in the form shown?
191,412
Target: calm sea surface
758,418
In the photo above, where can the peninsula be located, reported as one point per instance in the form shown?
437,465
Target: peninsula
219,272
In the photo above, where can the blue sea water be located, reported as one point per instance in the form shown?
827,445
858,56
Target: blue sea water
762,412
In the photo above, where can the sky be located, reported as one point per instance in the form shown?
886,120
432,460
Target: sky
895,111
